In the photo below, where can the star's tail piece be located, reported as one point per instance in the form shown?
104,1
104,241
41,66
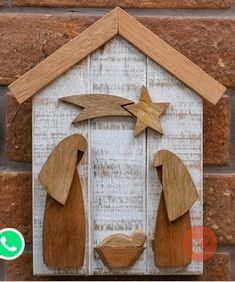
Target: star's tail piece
98,105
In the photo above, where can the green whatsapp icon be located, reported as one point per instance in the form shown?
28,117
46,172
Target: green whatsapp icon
11,243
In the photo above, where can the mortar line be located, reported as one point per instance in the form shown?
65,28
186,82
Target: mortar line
172,12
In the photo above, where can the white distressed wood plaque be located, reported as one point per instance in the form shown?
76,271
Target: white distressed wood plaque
120,186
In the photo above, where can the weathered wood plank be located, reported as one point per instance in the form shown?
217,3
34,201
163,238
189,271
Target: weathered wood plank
52,123
117,157
120,186
182,125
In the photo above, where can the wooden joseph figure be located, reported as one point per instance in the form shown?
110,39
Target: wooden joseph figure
64,229
173,218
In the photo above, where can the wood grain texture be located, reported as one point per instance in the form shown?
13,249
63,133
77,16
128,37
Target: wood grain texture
136,239
57,173
168,240
117,22
64,229
147,113
121,193
170,59
99,105
126,3
64,58
119,257
179,190
120,250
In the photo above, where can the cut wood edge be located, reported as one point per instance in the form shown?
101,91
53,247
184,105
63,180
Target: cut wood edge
119,257
139,127
58,180
169,239
147,113
136,239
98,105
180,205
117,22
84,100
59,232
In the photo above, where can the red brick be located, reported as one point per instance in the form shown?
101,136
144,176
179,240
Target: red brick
31,38
21,269
1,3
126,3
216,131
19,130
28,39
219,206
16,202
217,268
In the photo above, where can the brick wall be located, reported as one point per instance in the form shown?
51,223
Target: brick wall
203,30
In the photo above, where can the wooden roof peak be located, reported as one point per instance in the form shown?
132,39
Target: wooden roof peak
117,22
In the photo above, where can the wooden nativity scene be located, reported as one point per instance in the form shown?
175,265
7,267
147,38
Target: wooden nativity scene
117,152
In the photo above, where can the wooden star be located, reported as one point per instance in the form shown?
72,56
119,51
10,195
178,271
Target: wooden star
147,113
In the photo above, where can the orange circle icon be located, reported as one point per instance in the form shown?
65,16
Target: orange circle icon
199,243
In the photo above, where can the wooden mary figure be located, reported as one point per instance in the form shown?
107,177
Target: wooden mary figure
173,219
64,228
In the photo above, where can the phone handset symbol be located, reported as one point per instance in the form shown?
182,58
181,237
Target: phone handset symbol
4,243
11,243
